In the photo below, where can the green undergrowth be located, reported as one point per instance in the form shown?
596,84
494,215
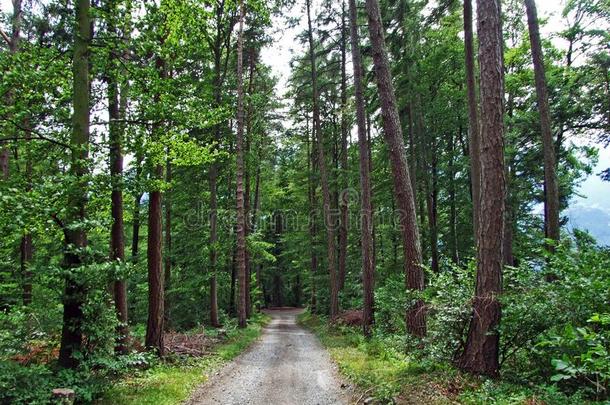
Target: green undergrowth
392,376
172,382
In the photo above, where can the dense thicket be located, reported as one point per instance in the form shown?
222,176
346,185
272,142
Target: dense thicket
416,169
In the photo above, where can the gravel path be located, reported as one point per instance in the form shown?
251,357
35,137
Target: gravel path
286,366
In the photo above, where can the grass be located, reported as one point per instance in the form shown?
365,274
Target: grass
167,384
389,375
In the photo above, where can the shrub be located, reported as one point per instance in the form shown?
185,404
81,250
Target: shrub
581,356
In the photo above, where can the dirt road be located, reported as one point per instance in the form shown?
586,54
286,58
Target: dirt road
286,366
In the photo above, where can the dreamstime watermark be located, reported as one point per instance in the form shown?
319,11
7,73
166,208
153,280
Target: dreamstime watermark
282,220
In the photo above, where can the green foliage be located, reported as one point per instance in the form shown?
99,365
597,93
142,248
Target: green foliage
174,65
386,373
581,355
131,379
25,385
171,383
32,384
545,339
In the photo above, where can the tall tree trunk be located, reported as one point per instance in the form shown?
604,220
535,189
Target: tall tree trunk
74,232
509,201
232,311
4,162
117,234
452,202
277,297
474,143
369,146
551,189
344,194
26,249
368,256
13,44
213,173
297,291
167,258
154,328
222,41
412,150
137,203
247,214
312,213
480,354
255,209
156,298
247,231
420,188
509,215
241,223
135,237
431,203
326,198
416,315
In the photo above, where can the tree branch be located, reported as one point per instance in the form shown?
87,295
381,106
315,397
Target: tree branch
39,136
5,37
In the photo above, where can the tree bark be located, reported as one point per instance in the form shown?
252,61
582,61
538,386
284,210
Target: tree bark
474,143
26,249
74,232
312,213
247,215
326,198
117,234
167,258
416,316
135,237
232,311
412,151
343,194
368,259
217,47
551,188
455,257
241,223
13,48
247,232
154,328
432,205
213,240
259,282
156,298
26,258
480,354
117,237
4,162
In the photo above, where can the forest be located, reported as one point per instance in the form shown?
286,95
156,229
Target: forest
166,196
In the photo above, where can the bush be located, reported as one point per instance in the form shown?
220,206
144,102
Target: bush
581,356
25,385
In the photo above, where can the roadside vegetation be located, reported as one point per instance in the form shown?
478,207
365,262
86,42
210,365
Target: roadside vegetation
137,378
385,374
555,347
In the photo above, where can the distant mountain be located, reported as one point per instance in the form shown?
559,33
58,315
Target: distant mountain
592,219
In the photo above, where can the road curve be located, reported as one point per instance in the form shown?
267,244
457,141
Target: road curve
287,365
